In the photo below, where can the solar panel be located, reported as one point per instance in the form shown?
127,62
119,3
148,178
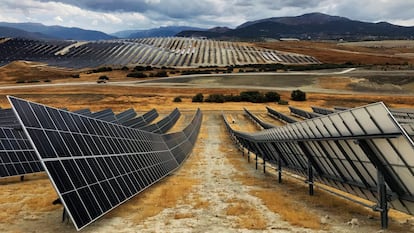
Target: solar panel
17,156
280,116
8,119
302,113
353,150
96,165
125,116
164,124
142,120
323,111
86,112
255,119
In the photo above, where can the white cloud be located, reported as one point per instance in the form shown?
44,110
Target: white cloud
58,19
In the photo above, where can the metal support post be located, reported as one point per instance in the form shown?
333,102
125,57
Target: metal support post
248,156
279,171
21,178
383,205
256,161
310,178
264,166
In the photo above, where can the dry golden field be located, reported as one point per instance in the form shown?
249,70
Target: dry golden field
216,190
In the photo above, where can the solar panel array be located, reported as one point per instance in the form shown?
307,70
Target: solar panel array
96,165
17,156
280,116
165,124
303,114
169,52
141,121
354,151
255,119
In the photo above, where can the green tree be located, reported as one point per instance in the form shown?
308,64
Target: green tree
298,95
198,98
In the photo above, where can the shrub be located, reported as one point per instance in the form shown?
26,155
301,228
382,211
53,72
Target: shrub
124,68
272,96
161,74
102,69
137,75
177,99
33,81
20,81
298,95
198,98
283,102
215,98
47,81
252,96
104,77
75,76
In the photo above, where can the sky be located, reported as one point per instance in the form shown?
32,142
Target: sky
116,15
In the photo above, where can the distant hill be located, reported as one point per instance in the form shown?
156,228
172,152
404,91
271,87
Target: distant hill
57,32
155,32
13,32
309,26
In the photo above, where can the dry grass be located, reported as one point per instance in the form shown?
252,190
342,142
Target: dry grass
183,215
248,216
331,52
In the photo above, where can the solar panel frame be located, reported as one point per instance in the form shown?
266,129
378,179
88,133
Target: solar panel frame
74,189
347,151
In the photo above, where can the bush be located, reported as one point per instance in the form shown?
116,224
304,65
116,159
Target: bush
136,75
161,74
283,102
252,96
298,95
47,81
124,68
102,69
75,76
20,81
198,98
272,96
215,98
104,77
177,99
33,81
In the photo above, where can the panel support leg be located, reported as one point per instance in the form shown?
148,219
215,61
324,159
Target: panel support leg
310,178
279,171
383,204
256,161
248,157
21,178
264,166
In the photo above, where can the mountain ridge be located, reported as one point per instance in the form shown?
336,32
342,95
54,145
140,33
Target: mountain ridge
315,26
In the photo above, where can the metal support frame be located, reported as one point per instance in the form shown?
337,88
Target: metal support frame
264,166
248,156
256,162
21,178
310,178
382,206
279,171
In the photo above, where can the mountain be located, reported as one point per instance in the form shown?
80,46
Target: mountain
59,32
13,32
315,26
155,32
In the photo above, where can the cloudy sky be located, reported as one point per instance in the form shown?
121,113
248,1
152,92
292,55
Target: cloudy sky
116,15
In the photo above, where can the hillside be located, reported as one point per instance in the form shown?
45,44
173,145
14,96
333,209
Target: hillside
13,32
40,31
315,26
168,31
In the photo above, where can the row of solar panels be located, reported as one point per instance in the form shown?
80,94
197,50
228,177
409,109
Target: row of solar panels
348,150
170,52
94,164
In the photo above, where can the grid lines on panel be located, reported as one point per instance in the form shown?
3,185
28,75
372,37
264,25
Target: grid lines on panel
345,149
94,165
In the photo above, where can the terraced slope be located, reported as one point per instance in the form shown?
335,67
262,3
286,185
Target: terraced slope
170,52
